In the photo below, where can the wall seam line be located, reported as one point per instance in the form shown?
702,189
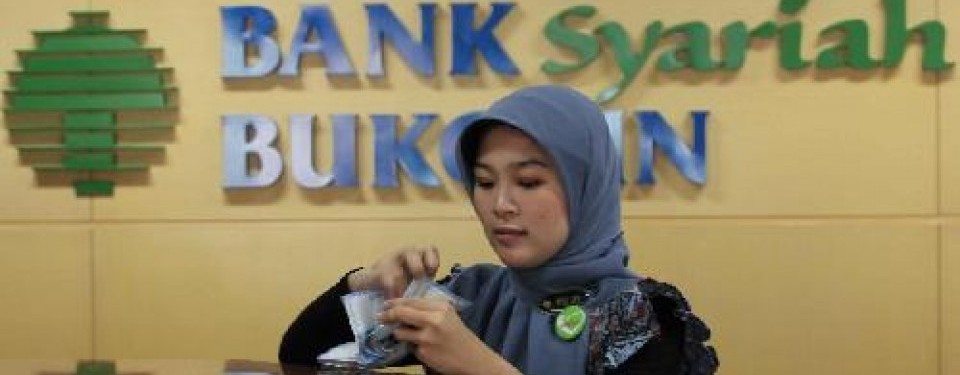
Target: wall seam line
938,147
93,281
940,303
933,217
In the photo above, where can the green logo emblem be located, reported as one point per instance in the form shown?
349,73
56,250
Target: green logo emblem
570,322
85,102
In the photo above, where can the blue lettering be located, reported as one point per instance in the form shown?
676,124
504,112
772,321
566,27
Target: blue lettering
250,135
383,24
466,40
389,152
344,152
301,145
251,158
236,38
655,131
318,20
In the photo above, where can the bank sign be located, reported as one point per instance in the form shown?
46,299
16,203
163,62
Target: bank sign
85,85
248,31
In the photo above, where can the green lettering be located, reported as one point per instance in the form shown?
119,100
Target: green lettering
735,42
789,43
585,46
791,7
897,36
693,51
790,35
766,30
853,49
629,62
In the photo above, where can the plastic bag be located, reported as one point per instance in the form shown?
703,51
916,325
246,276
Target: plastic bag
377,346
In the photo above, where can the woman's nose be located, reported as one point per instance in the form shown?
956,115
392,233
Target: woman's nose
505,207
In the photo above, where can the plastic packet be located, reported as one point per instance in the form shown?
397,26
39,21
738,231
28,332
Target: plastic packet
362,309
378,347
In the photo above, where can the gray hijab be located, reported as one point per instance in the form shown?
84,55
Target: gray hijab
504,313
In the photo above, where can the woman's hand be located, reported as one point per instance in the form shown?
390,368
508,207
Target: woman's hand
394,272
440,339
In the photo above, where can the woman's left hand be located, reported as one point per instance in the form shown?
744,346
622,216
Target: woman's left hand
440,339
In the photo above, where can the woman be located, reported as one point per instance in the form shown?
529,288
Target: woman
544,180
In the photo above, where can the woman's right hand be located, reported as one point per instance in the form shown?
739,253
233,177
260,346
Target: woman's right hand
394,272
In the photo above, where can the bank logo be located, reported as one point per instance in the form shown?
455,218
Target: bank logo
88,105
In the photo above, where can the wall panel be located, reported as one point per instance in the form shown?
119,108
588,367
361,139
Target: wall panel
230,290
950,295
804,297
45,288
949,94
824,242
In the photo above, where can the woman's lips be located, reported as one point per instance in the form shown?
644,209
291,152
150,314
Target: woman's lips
508,235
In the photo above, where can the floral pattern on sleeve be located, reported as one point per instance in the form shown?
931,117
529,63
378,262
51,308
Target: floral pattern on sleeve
619,328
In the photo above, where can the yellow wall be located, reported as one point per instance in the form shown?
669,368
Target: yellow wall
827,240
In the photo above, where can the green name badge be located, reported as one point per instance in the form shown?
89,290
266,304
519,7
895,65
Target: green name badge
570,322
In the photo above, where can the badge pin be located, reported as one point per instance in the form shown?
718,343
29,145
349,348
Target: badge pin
569,323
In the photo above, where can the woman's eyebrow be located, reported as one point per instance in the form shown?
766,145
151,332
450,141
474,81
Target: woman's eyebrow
532,162
481,165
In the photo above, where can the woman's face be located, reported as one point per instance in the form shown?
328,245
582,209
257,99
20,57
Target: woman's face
519,198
